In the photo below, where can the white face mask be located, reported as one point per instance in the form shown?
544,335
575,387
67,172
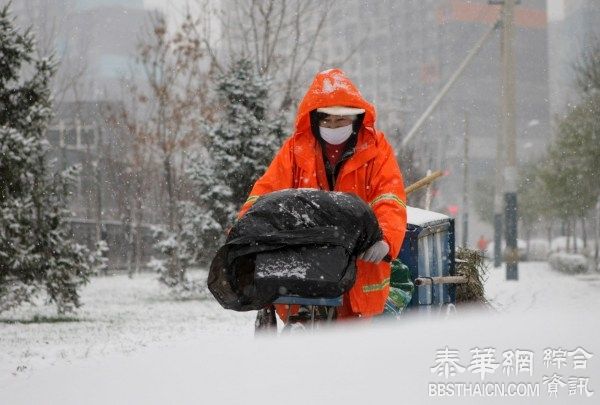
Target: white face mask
336,136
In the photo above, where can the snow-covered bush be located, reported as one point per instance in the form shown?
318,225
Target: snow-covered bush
568,262
177,250
37,251
539,249
99,259
171,267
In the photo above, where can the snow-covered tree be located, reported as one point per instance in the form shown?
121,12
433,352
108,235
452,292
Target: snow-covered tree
240,144
182,249
37,253
563,186
572,168
162,113
239,147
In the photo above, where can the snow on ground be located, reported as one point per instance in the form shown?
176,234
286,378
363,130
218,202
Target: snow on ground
136,346
120,315
540,287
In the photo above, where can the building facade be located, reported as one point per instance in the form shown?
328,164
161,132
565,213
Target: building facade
103,200
572,28
94,43
402,53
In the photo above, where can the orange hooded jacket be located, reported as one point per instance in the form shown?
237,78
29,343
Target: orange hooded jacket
371,172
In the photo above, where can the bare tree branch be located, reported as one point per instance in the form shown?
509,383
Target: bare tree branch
279,37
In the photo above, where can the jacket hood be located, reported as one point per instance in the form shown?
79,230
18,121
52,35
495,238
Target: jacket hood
332,88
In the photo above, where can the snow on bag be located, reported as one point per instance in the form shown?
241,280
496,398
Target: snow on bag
295,241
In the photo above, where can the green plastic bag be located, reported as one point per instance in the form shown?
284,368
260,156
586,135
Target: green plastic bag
401,289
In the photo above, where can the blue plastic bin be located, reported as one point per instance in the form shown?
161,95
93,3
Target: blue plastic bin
428,251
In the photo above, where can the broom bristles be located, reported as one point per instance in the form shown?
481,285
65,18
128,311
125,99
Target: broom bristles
471,264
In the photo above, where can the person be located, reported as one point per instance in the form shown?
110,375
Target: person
482,243
336,147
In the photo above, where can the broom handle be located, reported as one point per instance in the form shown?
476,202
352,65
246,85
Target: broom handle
423,182
415,186
441,280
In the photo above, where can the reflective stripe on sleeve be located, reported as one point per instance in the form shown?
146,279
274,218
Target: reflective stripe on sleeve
252,199
388,196
376,287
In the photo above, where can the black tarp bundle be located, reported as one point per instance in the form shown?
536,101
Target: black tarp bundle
295,241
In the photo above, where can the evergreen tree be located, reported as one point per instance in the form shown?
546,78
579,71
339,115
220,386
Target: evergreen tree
572,168
239,148
242,142
36,250
536,204
565,187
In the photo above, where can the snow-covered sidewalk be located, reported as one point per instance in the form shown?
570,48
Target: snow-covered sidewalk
540,287
136,346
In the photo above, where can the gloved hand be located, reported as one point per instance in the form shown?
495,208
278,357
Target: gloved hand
376,252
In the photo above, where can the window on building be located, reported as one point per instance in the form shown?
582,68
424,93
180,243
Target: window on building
88,137
71,136
53,135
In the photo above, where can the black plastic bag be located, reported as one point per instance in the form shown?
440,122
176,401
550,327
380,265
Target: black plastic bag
295,241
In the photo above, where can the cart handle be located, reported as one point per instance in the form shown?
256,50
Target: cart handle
441,280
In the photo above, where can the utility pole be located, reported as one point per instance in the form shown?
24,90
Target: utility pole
465,203
498,189
499,180
510,138
597,237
